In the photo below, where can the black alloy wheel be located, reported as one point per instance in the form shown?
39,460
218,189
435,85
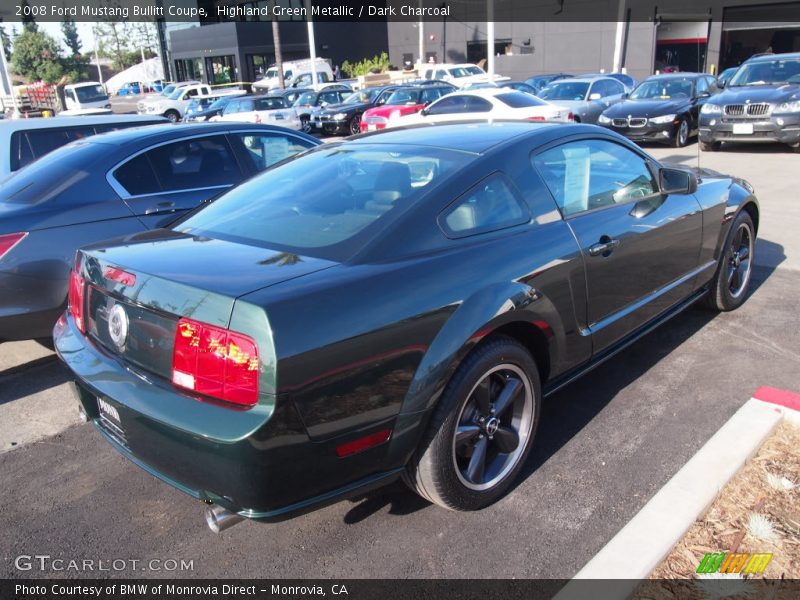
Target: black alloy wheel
482,428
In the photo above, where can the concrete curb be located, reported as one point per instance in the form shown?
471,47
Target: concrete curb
647,539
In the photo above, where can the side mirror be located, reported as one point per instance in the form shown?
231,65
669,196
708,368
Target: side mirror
704,95
424,112
595,96
625,96
676,181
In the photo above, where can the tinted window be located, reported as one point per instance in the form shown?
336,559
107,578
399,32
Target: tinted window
519,100
182,165
326,203
702,85
46,140
764,72
590,174
264,150
137,176
448,105
489,206
21,153
475,104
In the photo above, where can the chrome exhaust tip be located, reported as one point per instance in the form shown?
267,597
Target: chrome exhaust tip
219,519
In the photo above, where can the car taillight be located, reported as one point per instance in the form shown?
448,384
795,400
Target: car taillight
215,362
76,287
9,240
536,118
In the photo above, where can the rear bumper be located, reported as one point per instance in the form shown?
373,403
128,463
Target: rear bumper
766,130
271,472
29,306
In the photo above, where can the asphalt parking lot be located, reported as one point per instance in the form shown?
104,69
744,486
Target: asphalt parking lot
606,444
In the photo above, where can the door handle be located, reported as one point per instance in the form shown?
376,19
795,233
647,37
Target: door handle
604,247
160,207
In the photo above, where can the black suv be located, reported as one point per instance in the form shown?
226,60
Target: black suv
761,103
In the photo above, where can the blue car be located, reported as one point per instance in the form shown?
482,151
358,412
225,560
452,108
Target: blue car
111,185
130,89
203,109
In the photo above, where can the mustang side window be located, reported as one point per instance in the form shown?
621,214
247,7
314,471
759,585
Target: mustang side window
591,174
489,206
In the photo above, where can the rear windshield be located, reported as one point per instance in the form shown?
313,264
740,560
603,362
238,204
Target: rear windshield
46,178
327,203
91,93
519,100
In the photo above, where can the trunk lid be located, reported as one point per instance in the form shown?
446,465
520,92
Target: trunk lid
160,276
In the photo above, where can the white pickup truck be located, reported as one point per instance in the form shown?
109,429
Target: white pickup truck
173,106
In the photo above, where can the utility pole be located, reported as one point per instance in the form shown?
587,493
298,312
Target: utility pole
276,43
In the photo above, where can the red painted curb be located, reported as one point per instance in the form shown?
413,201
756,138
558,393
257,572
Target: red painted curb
776,396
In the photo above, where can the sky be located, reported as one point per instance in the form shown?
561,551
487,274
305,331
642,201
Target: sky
54,30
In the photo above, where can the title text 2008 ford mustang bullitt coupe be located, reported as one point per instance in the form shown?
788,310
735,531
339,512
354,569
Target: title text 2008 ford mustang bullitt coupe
395,305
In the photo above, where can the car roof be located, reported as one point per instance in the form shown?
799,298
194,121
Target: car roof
76,121
771,57
680,75
489,92
586,79
153,133
474,136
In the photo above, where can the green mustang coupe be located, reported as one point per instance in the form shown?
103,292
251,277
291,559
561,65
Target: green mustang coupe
394,305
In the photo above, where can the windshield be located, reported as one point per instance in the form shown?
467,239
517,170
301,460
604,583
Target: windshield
90,93
404,97
362,97
766,72
568,90
168,90
219,103
306,99
465,71
176,94
327,203
663,89
271,103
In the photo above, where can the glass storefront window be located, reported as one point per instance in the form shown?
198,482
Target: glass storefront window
221,69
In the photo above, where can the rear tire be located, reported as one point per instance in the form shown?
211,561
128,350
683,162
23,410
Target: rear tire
305,124
355,125
729,287
482,429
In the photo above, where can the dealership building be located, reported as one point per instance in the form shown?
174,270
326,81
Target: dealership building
530,37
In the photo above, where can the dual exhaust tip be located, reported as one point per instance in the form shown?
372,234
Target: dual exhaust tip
219,519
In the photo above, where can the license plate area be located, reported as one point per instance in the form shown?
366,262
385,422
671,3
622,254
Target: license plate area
743,129
111,422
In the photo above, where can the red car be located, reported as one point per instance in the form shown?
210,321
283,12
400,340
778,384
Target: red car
406,100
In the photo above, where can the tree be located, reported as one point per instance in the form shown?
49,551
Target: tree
71,39
113,42
376,64
5,40
28,22
36,56
144,35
